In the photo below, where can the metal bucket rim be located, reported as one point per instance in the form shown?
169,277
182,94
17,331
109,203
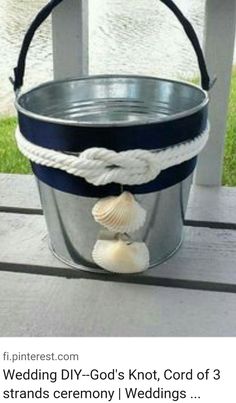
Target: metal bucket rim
66,122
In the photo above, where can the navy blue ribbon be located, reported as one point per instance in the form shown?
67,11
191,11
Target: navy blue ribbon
65,182
78,138
62,137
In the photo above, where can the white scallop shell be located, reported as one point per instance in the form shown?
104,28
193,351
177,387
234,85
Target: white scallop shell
119,213
119,256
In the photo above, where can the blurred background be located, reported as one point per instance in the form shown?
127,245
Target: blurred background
135,36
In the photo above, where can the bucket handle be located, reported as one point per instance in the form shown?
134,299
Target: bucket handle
19,70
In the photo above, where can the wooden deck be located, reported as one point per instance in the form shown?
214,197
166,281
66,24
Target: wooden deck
192,294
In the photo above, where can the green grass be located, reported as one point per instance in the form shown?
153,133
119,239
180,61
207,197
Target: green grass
229,173
11,161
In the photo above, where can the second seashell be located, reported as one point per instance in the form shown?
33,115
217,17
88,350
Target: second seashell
120,256
121,214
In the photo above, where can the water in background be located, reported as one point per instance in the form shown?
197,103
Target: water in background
125,36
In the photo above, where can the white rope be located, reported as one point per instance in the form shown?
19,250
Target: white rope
100,166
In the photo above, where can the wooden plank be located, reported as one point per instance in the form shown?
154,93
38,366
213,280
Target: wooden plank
214,206
44,306
19,193
205,261
70,39
219,50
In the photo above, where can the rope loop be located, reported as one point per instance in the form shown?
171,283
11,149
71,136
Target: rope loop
100,166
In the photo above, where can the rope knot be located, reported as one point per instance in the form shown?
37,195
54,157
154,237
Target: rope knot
134,166
101,166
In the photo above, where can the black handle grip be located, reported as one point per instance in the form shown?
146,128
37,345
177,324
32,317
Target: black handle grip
191,34
19,70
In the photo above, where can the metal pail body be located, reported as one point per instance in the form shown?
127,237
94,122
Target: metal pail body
73,231
118,113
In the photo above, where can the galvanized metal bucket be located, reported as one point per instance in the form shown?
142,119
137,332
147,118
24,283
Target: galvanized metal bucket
118,113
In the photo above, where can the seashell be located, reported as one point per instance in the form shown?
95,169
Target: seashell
120,256
119,213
